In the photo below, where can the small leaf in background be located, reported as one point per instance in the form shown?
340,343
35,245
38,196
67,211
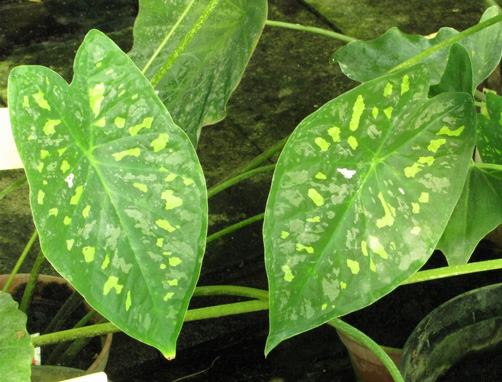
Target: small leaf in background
479,209
348,215
197,87
457,76
16,351
117,192
366,60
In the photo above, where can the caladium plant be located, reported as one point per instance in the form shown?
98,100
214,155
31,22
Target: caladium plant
363,192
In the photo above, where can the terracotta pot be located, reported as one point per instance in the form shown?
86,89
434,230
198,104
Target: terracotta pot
100,362
367,366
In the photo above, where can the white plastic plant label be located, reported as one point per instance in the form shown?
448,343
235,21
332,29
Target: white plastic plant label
9,157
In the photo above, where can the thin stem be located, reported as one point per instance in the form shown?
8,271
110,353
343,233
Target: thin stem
168,36
192,315
370,344
32,282
234,227
184,43
443,44
69,306
256,161
231,290
304,28
454,270
12,187
488,166
491,3
20,261
236,179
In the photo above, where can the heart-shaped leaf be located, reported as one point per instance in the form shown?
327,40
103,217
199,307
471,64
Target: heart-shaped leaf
457,76
117,192
16,351
360,196
479,209
197,87
365,60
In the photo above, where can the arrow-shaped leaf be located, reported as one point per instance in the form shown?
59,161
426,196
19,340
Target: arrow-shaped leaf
16,351
360,196
366,60
117,192
199,84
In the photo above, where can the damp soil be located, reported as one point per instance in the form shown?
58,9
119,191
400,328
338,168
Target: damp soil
47,301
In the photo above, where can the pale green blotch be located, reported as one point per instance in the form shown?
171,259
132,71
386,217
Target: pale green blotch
69,244
41,101
106,262
53,211
284,234
26,102
164,224
112,283
128,302
372,266
44,154
413,170
357,111
316,197
334,133
320,175
378,248
415,207
61,151
173,282
160,242
315,219
445,130
89,253
322,143
98,64
75,198
96,96
426,160
174,261
44,182
188,181
146,124
131,152
388,89
49,126
163,266
67,220
100,122
40,166
119,122
141,187
40,197
171,177
168,296
288,275
364,247
405,84
300,247
65,166
171,200
352,141
416,230
388,112
389,211
435,144
134,96
160,143
354,266
374,112
324,306
343,285
424,197
85,211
